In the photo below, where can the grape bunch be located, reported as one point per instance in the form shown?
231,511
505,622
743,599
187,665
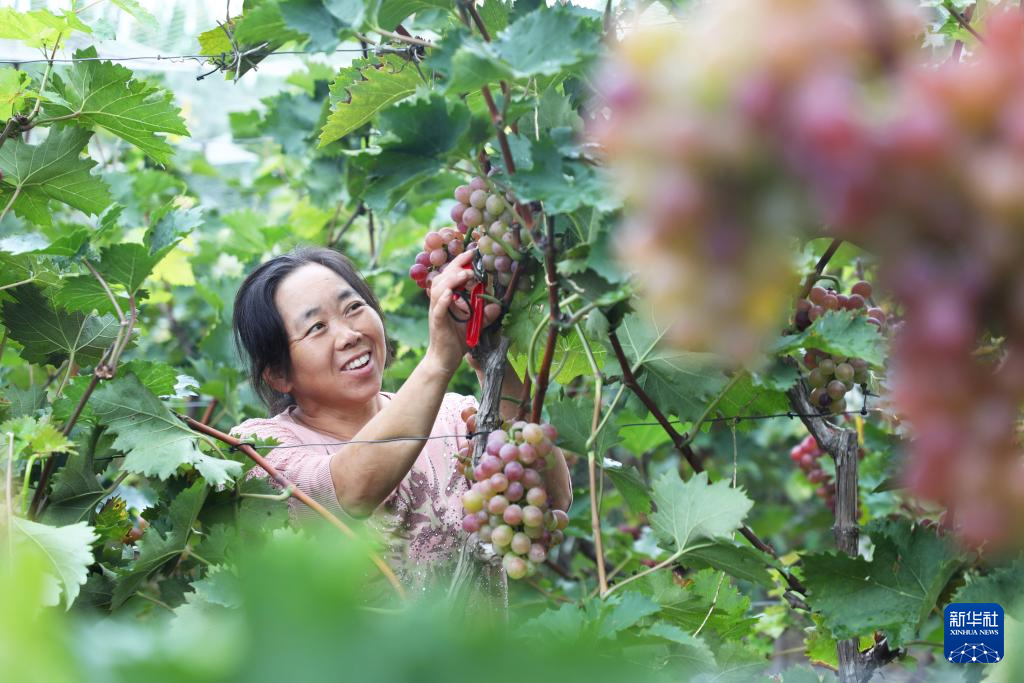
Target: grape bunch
806,455
821,299
507,504
832,377
805,113
487,214
439,247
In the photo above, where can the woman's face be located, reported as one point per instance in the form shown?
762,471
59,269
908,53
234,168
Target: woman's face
336,340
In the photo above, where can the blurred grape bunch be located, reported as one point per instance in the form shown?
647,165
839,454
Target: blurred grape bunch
757,122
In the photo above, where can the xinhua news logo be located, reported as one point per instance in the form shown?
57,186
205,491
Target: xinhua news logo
974,633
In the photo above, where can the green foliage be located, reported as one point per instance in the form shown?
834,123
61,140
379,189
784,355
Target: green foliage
68,553
49,335
841,333
893,592
692,511
365,88
35,174
97,94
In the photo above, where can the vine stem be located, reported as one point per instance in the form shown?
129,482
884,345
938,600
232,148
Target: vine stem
10,202
402,39
595,504
963,20
551,279
298,493
819,268
17,284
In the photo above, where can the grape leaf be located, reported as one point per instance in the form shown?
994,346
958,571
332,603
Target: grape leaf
133,8
895,591
219,586
323,20
14,87
1004,585
68,550
628,482
35,436
291,120
154,441
76,490
842,333
39,28
747,398
740,562
680,382
84,293
49,335
549,41
563,184
692,510
391,12
128,264
694,654
598,619
94,93
157,549
362,90
51,170
574,420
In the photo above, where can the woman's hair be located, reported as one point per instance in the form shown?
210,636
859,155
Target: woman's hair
259,330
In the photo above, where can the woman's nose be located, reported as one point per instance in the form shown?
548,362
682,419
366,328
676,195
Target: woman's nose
346,337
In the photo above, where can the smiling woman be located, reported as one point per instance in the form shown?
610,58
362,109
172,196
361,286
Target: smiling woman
317,347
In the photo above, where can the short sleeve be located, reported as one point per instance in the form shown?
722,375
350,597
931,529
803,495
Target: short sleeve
308,467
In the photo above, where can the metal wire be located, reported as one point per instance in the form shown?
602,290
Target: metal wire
70,60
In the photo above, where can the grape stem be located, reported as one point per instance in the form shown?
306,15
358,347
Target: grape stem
551,279
298,493
595,503
819,268
963,20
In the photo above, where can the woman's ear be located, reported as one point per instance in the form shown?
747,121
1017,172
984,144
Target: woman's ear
277,380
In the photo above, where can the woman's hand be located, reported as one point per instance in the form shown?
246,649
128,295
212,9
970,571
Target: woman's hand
447,338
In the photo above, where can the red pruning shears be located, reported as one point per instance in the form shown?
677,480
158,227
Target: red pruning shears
475,301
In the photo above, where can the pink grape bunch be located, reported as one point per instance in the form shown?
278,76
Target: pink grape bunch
488,215
439,247
821,299
507,504
806,455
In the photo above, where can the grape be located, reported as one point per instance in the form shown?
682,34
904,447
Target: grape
456,213
472,217
478,184
485,533
817,378
533,434
423,258
862,289
521,543
836,389
537,496
537,553
495,204
418,272
527,454
438,257
531,478
513,515
509,452
845,372
490,465
561,518
499,482
855,302
515,491
831,302
462,194
502,535
818,295
433,241
503,264
827,366
515,567
471,523
478,199
533,516
472,501
513,470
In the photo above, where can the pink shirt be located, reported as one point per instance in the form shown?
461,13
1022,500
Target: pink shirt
420,521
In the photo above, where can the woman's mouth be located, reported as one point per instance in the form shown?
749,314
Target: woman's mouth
361,362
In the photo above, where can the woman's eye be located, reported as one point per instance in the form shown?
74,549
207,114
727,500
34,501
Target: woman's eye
315,327
355,306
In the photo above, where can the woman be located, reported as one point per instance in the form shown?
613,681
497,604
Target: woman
317,347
